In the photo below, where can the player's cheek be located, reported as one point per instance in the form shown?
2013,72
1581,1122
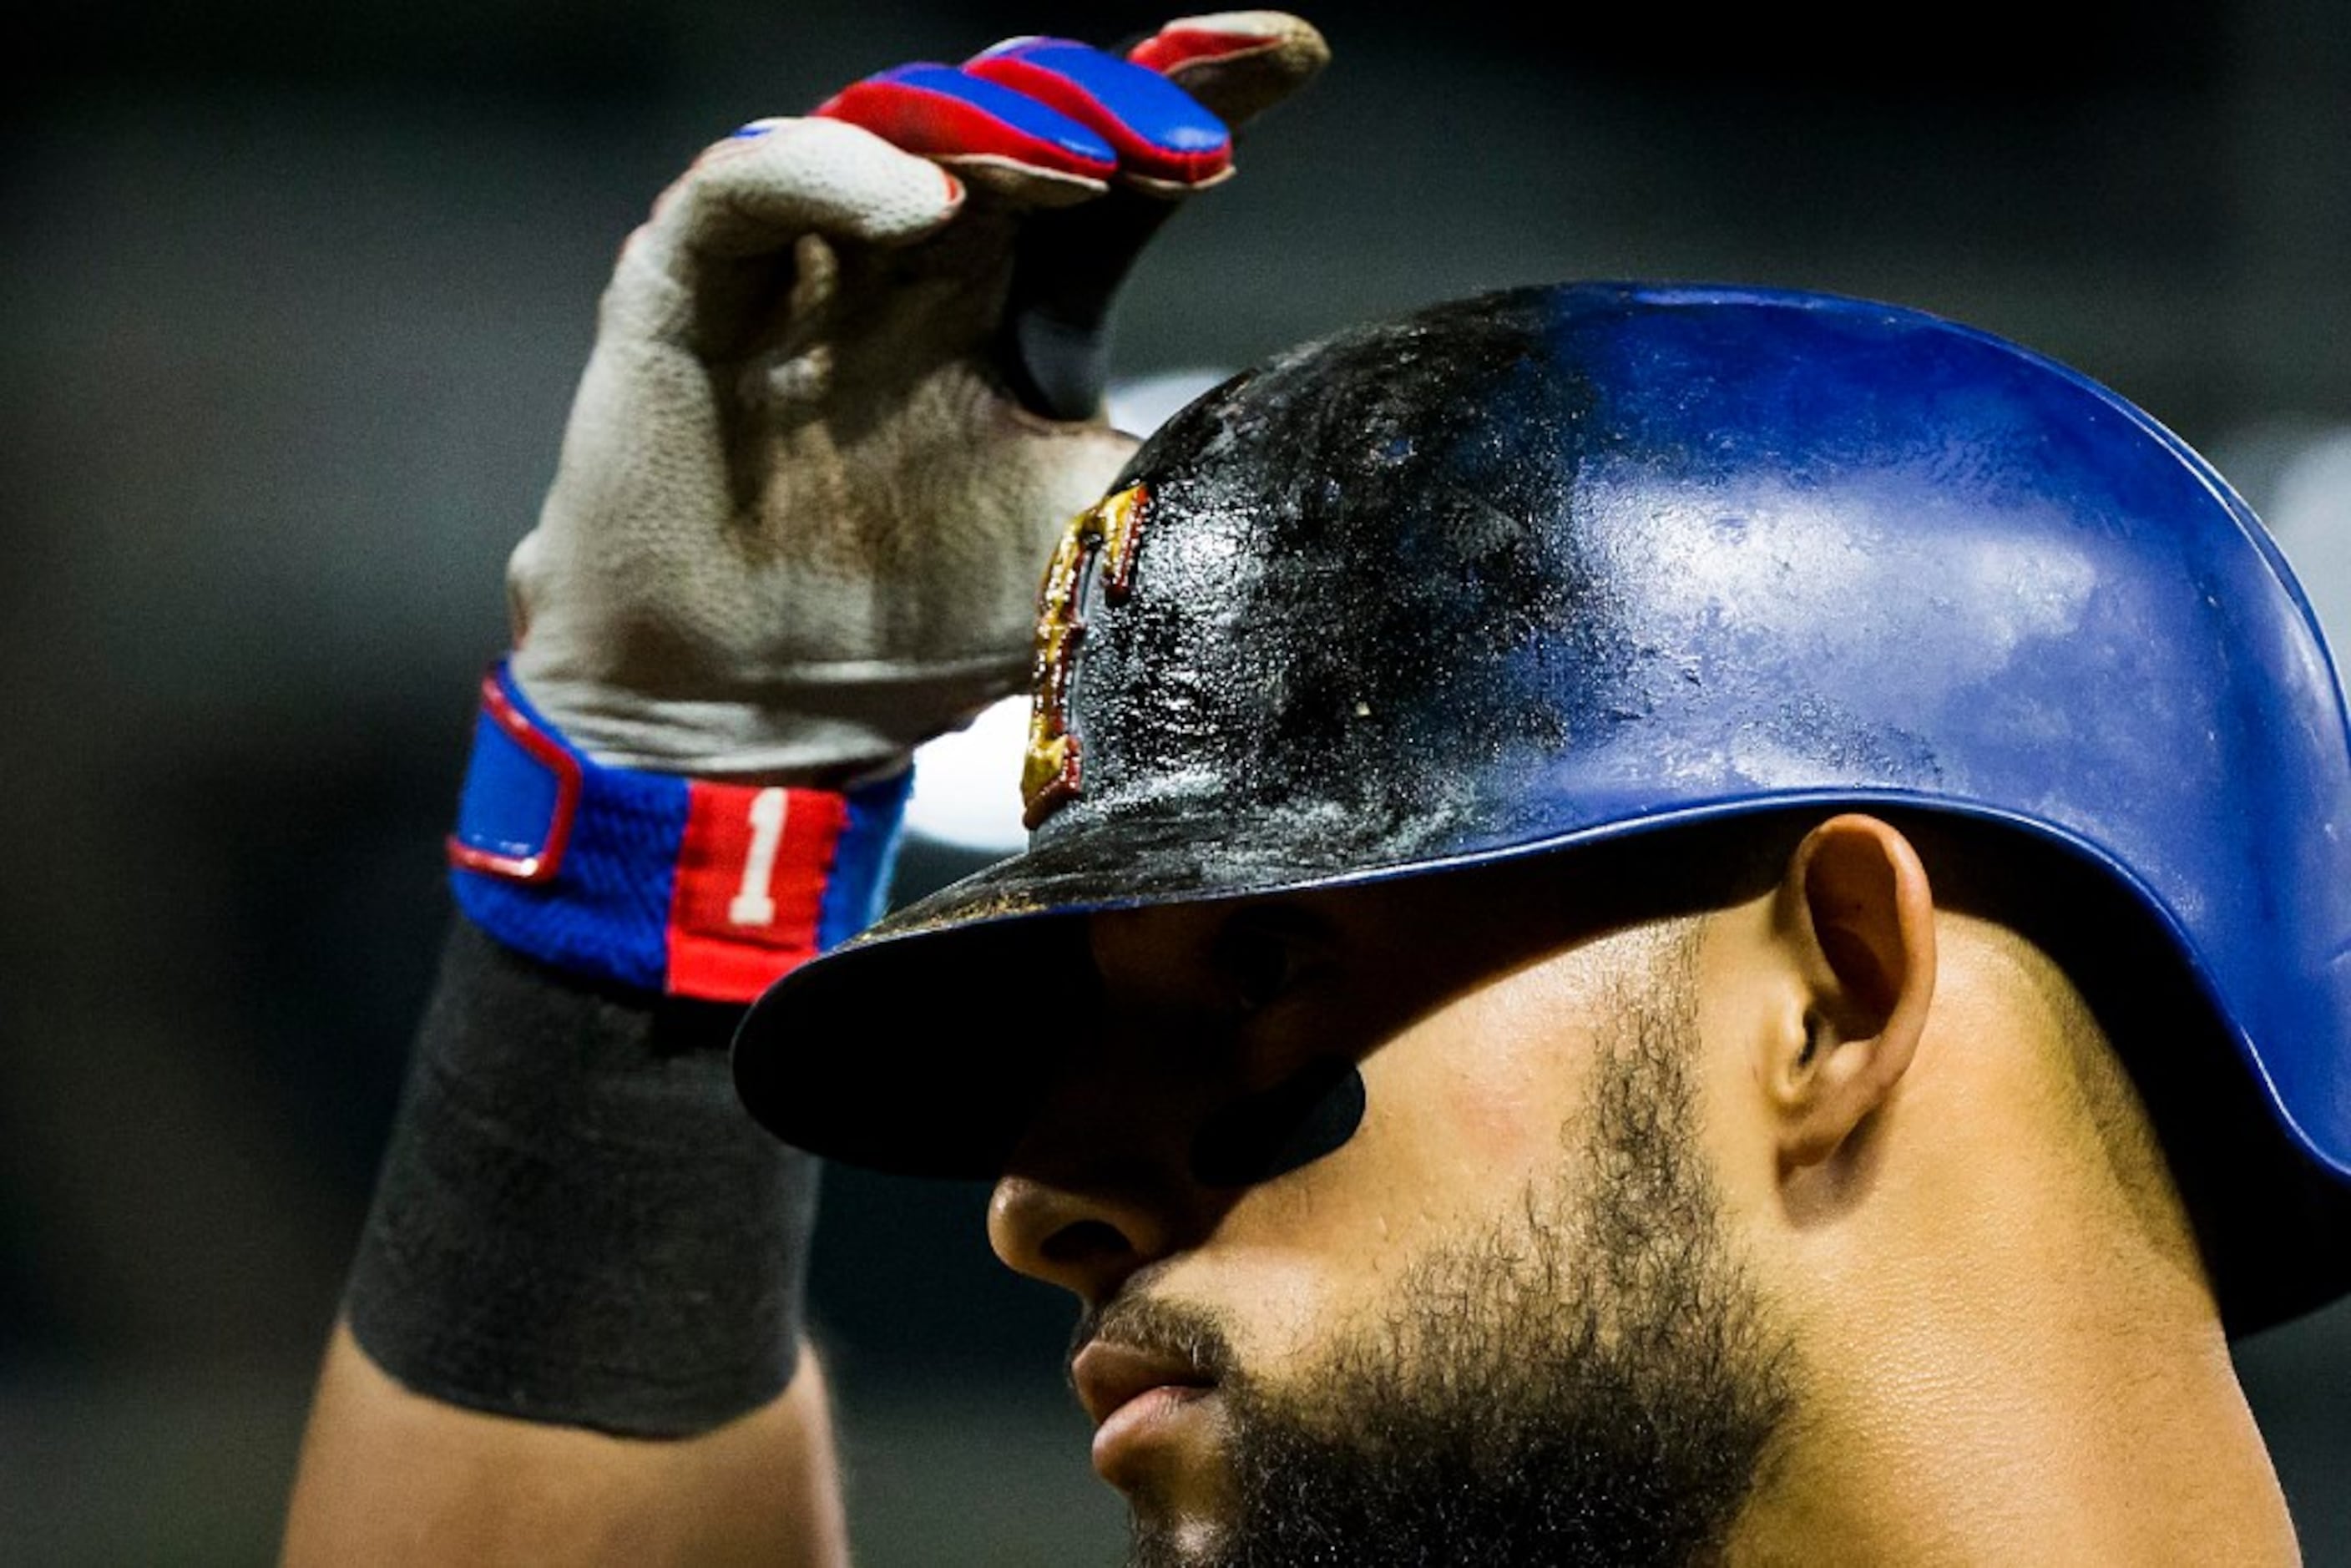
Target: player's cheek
1461,1115
1299,1259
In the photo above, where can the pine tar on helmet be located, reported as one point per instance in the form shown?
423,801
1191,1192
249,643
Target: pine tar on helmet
1551,567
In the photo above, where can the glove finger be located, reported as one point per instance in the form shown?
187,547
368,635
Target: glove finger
1238,63
1052,346
775,180
994,135
1165,140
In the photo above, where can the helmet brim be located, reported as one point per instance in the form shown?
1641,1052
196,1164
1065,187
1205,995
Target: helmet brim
922,1047
917,1048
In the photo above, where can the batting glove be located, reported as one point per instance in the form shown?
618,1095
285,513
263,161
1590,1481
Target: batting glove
846,391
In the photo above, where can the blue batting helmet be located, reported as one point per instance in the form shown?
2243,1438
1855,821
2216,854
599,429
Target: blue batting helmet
1559,566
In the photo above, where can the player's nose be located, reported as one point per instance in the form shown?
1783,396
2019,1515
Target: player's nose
1097,1187
1101,1182
1085,1235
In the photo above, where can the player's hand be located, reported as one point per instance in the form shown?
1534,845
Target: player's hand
845,393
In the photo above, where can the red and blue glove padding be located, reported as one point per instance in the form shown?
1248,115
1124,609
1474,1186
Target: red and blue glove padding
1050,106
662,884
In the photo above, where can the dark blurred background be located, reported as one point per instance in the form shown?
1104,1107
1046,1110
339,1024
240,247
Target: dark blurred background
295,299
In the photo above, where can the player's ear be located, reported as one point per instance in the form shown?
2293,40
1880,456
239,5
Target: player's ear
1854,919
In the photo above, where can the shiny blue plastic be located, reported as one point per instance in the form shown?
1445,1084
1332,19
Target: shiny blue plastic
1876,556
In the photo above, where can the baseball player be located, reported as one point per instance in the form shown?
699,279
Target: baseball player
1663,924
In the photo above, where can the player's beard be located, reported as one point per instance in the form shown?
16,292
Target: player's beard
1595,1381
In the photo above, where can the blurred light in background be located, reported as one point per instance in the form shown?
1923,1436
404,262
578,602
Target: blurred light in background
967,785
2299,481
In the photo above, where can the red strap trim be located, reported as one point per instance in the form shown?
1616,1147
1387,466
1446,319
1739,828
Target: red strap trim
749,892
1172,51
542,866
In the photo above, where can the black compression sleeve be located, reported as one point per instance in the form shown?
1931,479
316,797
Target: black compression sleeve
576,1221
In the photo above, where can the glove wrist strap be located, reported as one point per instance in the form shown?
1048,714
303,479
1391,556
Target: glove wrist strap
681,886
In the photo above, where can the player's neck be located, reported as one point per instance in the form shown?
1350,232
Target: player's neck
2132,1455
2008,1358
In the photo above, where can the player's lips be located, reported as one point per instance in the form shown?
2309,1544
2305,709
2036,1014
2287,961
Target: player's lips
1131,1394
1110,1376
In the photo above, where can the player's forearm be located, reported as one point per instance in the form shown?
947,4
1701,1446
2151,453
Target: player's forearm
389,1475
576,1221
576,1308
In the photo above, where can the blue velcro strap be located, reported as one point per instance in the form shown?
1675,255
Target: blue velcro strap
660,882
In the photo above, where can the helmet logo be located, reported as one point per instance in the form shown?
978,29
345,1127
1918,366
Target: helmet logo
1109,529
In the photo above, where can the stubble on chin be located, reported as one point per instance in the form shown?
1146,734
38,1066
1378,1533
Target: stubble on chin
1593,1380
